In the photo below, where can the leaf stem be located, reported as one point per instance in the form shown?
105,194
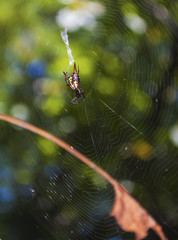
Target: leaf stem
59,142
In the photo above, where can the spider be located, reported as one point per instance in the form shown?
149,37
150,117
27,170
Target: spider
73,82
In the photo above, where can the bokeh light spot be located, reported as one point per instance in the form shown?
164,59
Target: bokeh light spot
69,212
23,176
140,99
136,23
143,150
6,194
67,124
48,148
3,107
129,185
20,111
84,16
35,69
173,134
169,95
50,87
52,171
6,12
154,35
106,86
128,54
98,181
53,106
26,190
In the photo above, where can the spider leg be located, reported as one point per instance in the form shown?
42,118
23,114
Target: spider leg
73,101
75,98
81,100
66,78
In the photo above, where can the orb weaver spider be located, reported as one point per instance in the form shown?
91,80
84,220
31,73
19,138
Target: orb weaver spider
73,82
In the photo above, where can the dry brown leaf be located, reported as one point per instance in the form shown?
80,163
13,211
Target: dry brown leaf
131,216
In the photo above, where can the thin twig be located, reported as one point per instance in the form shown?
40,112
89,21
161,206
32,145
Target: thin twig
59,142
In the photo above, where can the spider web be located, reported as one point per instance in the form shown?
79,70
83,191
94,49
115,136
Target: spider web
119,139
126,125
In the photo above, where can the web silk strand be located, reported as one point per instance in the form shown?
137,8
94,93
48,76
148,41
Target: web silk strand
66,41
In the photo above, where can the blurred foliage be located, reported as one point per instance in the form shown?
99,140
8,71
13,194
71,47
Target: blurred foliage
127,55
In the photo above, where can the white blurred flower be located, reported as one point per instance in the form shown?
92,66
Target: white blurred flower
84,16
173,133
136,23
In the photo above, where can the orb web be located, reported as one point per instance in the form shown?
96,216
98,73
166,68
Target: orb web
117,119
124,125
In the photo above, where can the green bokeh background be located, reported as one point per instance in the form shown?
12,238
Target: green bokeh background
127,53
